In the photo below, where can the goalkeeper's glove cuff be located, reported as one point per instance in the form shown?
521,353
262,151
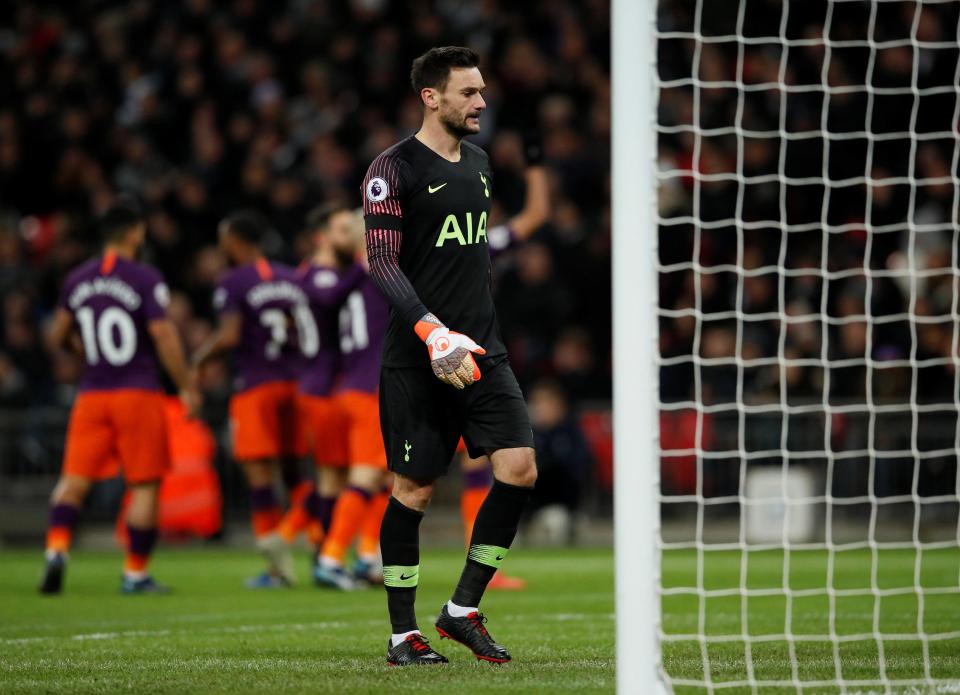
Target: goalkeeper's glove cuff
441,341
425,327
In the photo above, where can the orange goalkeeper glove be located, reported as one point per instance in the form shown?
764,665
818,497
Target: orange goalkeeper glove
450,352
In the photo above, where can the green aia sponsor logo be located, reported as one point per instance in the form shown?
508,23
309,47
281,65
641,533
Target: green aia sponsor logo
452,230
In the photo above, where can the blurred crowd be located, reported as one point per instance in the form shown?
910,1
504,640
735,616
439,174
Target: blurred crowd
884,230
198,107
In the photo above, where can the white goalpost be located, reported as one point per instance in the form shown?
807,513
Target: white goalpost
786,292
636,513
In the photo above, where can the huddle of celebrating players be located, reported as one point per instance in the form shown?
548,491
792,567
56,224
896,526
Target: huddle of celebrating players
348,358
306,346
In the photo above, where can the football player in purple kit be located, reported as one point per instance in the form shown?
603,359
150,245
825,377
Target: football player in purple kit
119,307
260,305
321,421
363,317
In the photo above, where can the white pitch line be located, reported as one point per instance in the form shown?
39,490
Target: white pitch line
114,635
123,634
281,627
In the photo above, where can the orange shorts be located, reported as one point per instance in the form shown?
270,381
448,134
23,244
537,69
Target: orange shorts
264,422
126,426
323,426
364,440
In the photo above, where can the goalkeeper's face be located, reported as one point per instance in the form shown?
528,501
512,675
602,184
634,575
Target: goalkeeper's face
461,102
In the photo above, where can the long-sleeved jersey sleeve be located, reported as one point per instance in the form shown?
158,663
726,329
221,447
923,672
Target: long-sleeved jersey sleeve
383,218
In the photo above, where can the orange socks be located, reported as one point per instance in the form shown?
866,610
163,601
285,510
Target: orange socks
135,564
293,522
305,515
297,517
140,544
264,522
264,510
63,517
299,494
470,501
348,517
476,484
58,539
369,544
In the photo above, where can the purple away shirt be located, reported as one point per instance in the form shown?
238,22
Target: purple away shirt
113,300
268,298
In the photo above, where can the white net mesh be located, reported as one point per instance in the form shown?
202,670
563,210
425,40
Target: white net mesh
809,391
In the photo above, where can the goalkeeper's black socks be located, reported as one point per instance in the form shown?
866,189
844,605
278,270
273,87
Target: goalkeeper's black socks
493,533
400,548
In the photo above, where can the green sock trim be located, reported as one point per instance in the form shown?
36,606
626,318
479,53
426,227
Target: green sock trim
490,555
402,576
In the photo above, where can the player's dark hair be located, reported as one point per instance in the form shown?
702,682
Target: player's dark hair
248,225
120,219
320,216
432,69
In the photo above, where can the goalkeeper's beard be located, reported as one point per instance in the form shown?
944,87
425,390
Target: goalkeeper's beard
456,124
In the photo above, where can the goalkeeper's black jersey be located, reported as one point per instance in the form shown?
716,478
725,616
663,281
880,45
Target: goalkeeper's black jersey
426,220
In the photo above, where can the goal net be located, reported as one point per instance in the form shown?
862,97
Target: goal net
809,334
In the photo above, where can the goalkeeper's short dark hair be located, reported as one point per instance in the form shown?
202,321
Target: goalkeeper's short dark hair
248,225
432,69
119,219
320,216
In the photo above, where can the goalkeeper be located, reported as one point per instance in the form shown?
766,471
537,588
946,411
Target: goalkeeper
426,203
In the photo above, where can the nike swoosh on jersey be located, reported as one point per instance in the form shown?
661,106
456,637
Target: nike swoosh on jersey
431,189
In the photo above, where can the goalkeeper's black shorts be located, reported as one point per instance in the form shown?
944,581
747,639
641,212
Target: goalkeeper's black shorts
422,418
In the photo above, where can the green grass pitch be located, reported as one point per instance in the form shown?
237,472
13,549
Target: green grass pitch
855,611
213,636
